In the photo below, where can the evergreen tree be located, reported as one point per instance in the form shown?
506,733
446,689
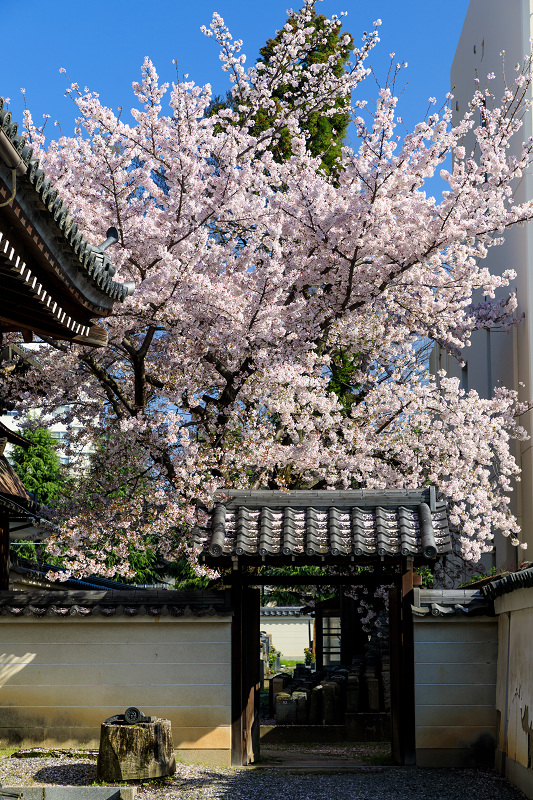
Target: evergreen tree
39,467
325,134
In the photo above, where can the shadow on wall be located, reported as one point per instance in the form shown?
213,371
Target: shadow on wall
483,751
10,665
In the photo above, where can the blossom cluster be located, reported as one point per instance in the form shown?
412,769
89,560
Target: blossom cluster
256,274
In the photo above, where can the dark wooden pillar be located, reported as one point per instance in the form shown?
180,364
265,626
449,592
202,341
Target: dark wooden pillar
395,629
402,670
4,549
245,690
319,639
236,670
251,676
408,727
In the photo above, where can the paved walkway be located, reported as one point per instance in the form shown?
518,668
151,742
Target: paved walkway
341,756
280,758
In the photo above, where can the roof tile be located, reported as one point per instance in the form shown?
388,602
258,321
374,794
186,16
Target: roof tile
327,525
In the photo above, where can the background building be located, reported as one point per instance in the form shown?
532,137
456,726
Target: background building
495,38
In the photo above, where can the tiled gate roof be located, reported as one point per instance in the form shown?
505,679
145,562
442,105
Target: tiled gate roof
309,527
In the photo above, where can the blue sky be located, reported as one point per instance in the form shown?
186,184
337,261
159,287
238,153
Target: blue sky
102,44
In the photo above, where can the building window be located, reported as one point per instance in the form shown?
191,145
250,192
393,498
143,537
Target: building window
464,378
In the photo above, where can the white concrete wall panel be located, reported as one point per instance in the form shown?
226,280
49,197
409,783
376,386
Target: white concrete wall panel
455,686
289,634
514,699
61,678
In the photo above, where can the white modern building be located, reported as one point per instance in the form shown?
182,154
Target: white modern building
76,459
496,37
57,430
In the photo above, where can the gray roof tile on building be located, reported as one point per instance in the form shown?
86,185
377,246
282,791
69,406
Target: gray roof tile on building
325,525
94,265
280,611
516,580
77,603
450,602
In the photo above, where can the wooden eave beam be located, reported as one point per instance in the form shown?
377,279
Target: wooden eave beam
26,240
365,579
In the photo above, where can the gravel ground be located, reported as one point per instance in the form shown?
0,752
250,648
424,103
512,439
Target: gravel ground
59,768
374,783
193,782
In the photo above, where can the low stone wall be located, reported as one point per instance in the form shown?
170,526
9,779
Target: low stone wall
455,690
61,677
290,630
362,727
514,697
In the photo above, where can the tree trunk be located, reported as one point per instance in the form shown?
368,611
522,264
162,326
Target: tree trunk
135,752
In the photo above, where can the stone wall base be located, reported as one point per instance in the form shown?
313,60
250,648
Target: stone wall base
211,758
469,757
440,757
515,773
360,727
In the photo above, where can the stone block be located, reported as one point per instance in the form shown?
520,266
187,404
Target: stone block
372,686
300,698
330,698
352,694
363,727
285,709
135,752
316,712
71,792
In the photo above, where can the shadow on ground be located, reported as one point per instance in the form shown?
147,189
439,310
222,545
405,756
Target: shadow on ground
67,774
368,783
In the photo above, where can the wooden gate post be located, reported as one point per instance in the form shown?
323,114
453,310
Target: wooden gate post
408,670
4,549
236,670
245,689
251,676
402,671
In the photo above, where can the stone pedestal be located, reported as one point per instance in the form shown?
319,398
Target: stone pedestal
330,696
316,712
302,715
135,752
352,694
285,709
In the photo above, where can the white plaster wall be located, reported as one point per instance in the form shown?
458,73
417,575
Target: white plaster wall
493,26
514,700
60,678
455,687
289,634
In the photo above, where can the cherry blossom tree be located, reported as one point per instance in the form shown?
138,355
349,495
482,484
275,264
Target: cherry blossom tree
275,333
